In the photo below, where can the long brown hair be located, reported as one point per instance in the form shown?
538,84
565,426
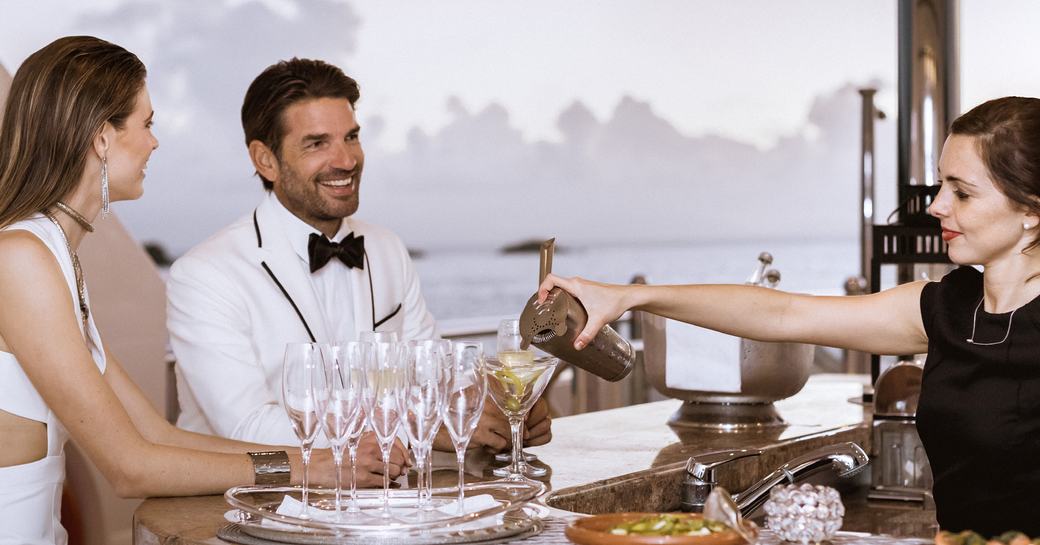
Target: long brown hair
60,98
1007,137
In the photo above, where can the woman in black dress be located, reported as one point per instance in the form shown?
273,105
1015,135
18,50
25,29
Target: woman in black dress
979,411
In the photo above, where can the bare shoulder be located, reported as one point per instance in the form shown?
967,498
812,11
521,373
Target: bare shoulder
902,301
30,276
31,283
24,252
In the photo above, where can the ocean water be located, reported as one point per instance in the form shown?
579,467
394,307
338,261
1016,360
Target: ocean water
468,284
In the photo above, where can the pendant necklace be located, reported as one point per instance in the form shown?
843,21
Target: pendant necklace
81,287
971,340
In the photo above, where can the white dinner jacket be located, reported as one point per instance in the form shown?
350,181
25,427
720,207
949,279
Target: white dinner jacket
235,300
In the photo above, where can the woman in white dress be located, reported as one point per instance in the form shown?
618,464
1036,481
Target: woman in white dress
76,135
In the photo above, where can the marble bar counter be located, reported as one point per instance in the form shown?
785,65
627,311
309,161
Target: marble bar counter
630,459
617,460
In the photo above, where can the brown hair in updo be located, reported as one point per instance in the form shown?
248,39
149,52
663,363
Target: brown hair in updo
1007,136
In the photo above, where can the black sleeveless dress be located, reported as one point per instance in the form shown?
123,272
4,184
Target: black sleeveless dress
979,411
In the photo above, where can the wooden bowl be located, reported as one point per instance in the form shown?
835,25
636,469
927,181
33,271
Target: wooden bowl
595,530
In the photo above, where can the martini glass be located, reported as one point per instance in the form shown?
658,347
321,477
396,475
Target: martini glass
516,380
510,341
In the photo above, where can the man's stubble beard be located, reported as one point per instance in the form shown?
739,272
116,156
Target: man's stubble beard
309,200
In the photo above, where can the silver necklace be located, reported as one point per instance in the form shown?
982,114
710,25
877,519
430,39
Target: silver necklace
81,287
971,340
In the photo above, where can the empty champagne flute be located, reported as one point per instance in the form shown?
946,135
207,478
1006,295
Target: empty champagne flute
382,390
467,387
444,348
354,354
420,407
302,371
341,409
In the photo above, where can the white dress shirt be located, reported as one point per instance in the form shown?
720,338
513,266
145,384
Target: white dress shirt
330,290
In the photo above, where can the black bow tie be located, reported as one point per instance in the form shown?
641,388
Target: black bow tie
351,251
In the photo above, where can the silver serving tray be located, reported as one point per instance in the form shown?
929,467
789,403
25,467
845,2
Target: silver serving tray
257,507
519,524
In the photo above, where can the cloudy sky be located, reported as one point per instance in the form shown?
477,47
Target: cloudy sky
486,122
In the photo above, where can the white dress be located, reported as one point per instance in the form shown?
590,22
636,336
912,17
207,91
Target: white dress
30,494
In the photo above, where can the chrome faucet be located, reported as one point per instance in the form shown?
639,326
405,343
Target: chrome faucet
847,459
700,476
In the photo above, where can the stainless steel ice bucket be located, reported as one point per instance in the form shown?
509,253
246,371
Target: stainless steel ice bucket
768,372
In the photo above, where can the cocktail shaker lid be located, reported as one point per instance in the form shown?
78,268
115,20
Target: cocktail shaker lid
541,322
898,389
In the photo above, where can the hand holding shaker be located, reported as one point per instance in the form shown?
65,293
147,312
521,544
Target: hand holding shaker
554,325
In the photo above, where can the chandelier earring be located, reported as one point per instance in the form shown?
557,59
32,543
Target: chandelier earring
104,186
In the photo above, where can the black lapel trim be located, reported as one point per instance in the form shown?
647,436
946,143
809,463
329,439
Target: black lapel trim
372,293
290,299
256,226
391,315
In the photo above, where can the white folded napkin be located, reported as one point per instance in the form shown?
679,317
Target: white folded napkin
292,507
701,359
473,504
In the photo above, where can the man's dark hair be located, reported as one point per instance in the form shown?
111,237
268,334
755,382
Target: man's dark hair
283,84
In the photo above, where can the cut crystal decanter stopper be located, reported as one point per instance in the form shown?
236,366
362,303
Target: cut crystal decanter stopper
804,513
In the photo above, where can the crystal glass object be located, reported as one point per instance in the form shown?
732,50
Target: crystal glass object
303,382
516,380
804,513
340,405
466,389
510,341
384,381
424,363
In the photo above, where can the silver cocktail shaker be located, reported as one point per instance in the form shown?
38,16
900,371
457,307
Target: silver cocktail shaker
554,325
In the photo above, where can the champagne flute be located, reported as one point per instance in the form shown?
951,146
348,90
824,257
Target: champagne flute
382,402
341,409
420,407
302,368
354,354
467,387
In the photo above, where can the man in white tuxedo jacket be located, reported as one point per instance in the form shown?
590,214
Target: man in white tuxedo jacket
298,268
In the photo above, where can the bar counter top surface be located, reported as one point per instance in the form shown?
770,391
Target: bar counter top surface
617,460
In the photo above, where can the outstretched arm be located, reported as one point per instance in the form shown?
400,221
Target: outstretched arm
882,323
